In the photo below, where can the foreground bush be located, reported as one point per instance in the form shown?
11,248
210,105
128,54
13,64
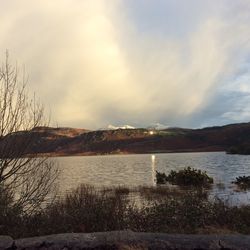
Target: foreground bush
186,177
84,210
10,213
90,210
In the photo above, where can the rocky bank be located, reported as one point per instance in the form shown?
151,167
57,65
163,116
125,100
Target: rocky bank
125,240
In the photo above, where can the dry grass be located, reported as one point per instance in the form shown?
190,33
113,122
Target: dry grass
90,210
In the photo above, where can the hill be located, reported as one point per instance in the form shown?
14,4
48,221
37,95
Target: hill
70,141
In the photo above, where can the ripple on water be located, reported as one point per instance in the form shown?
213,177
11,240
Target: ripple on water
135,170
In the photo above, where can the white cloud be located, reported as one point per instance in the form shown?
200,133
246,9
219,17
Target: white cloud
92,66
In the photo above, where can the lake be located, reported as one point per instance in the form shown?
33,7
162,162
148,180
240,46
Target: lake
139,169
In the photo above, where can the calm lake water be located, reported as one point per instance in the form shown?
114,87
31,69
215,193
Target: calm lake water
134,170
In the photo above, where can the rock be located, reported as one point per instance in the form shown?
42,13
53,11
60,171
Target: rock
74,240
5,242
128,240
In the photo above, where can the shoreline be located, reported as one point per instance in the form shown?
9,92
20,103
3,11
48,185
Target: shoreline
123,153
127,239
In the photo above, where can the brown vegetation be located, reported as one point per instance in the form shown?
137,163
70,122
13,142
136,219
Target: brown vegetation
87,209
68,141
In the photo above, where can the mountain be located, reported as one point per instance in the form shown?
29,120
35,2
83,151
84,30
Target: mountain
70,141
59,132
157,126
112,127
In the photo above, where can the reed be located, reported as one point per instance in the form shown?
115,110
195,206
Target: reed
87,209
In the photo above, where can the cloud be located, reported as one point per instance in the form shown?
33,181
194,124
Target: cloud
185,75
101,61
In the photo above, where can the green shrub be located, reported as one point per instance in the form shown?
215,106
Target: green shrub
161,178
186,177
243,182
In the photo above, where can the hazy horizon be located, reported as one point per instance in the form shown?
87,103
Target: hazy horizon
150,126
101,62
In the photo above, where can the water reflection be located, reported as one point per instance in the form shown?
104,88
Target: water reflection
136,170
153,170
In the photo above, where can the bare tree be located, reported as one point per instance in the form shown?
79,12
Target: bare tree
29,178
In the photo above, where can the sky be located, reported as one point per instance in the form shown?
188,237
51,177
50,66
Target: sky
138,62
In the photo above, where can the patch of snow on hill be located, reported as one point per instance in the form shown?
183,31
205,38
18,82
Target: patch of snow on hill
112,127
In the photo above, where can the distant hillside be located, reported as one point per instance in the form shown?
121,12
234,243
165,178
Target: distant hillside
59,132
70,141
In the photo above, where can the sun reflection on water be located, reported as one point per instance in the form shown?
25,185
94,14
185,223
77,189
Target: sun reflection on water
153,169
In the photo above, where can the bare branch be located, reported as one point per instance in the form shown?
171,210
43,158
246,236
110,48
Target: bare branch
30,178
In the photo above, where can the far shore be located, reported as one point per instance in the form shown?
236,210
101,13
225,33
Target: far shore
65,154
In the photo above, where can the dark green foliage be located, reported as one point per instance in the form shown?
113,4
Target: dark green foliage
186,177
242,149
181,214
233,150
242,181
161,178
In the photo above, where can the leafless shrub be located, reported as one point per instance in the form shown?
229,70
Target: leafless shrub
29,178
